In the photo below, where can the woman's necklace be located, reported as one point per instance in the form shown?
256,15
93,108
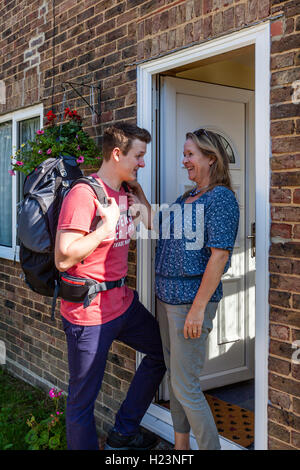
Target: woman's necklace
196,191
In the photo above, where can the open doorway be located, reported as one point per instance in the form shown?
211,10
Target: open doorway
216,88
187,103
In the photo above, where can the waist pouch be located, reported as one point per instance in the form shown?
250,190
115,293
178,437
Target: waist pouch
84,290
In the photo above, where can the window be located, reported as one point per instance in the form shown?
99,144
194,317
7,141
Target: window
15,129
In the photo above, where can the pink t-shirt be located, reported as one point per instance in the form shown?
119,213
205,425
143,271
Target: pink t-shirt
108,262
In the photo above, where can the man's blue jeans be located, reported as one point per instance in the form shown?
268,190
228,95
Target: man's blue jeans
88,347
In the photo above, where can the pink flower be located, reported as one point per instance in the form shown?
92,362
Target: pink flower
78,148
19,163
40,151
49,151
11,172
40,132
80,159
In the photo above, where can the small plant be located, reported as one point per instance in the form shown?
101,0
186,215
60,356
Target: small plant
50,433
55,140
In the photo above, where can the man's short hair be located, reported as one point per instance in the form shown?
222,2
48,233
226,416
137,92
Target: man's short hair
121,135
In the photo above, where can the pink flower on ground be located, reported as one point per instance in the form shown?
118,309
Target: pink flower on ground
80,159
49,151
19,163
40,132
11,172
40,152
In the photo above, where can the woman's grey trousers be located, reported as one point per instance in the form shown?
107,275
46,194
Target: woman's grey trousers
184,360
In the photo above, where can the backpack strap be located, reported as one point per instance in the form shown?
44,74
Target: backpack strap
96,187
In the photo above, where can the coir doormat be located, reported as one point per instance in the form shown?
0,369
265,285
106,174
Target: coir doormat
233,422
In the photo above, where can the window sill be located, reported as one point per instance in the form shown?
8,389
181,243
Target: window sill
10,253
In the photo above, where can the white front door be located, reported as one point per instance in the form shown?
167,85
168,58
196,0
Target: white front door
188,105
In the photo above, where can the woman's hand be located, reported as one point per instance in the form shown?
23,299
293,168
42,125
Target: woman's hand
141,209
193,323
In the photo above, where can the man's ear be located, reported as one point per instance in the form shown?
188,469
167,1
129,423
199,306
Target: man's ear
116,154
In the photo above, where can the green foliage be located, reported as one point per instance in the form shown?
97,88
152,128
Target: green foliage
22,405
67,138
50,433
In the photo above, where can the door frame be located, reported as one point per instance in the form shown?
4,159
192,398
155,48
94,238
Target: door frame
157,419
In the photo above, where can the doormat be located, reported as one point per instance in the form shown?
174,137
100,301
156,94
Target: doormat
232,421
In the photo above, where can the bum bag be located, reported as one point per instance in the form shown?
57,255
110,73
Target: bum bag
81,289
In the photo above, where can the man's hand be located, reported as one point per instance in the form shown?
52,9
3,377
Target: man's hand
193,324
109,216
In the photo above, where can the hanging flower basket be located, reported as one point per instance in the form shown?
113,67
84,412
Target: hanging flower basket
57,140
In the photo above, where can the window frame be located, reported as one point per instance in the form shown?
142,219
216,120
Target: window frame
12,253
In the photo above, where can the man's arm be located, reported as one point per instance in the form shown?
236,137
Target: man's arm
72,246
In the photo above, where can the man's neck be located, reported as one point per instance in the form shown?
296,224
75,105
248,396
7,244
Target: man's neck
108,175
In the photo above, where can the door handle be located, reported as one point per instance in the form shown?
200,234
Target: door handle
252,238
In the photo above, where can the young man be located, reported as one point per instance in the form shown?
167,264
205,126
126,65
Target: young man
114,314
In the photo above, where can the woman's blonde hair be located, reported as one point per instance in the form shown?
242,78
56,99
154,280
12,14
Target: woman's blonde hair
211,145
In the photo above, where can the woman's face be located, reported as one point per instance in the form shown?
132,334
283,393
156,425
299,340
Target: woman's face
196,163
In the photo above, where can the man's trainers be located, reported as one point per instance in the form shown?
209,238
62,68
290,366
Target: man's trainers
140,441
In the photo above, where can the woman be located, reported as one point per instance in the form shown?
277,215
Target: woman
188,282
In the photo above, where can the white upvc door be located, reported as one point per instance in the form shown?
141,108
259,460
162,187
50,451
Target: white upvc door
188,105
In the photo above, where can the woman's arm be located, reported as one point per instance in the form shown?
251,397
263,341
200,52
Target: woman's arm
210,281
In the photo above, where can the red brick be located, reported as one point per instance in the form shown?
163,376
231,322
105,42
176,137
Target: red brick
296,366
277,28
281,230
282,60
282,299
296,196
274,444
285,214
280,332
263,8
295,441
296,231
207,27
282,127
296,405
296,301
289,283
280,432
280,366
285,145
285,162
207,6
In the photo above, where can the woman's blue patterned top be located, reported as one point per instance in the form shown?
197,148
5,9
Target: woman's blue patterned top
186,231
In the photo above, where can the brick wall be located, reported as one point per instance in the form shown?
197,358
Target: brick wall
284,374
99,42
